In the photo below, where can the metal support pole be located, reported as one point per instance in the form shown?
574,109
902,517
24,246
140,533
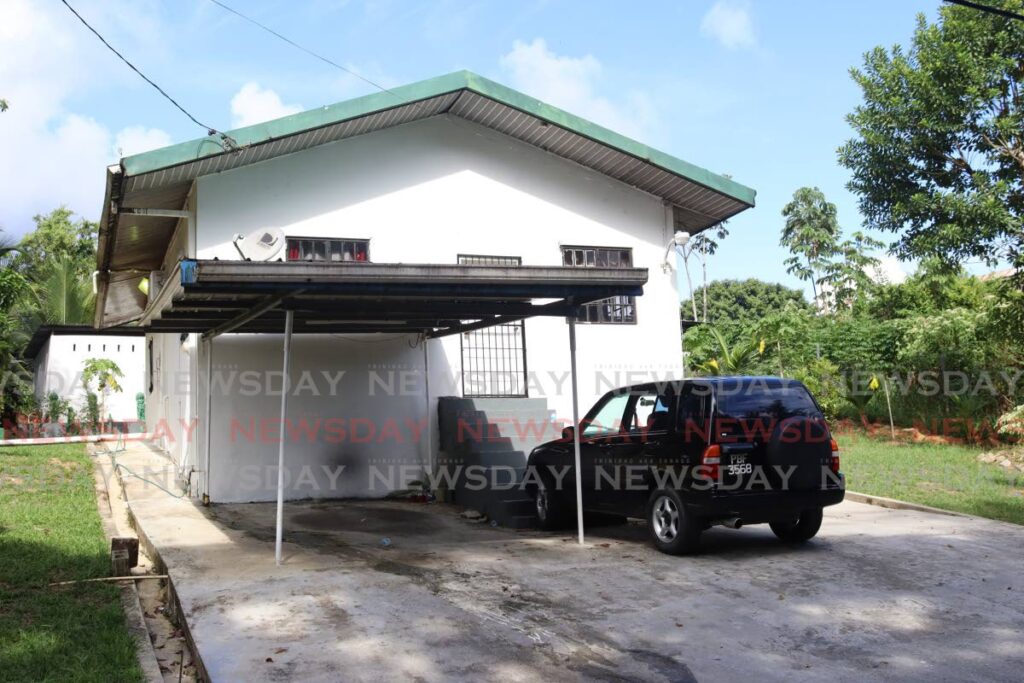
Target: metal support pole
576,427
209,420
426,392
280,450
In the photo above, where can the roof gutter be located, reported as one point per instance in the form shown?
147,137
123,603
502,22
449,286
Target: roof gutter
105,240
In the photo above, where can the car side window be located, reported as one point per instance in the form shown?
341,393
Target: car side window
692,419
649,411
606,417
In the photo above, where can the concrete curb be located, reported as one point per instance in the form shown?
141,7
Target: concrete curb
174,611
130,604
894,504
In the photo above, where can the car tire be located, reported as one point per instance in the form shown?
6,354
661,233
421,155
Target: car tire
799,530
673,529
549,507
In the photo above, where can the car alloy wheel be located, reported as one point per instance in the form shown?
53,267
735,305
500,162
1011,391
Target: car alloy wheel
542,503
665,519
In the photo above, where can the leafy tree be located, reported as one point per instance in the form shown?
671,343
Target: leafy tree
3,105
743,303
849,273
57,235
106,374
811,233
938,156
933,288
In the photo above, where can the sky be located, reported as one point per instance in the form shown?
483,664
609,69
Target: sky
755,89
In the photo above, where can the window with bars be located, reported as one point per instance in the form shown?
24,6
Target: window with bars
494,358
323,249
617,310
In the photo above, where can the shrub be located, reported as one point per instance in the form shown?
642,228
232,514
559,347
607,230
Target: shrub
1011,424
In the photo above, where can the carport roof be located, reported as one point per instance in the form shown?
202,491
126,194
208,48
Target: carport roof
214,297
132,242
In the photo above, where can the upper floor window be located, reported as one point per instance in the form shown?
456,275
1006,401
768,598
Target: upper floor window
323,249
620,310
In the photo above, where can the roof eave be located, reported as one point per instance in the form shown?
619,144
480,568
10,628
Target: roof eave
210,146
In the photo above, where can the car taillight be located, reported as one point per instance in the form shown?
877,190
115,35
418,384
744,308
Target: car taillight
711,459
834,464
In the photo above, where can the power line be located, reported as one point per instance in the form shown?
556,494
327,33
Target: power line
300,47
988,8
209,129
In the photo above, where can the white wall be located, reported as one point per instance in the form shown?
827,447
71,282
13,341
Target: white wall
428,191
351,405
424,193
59,368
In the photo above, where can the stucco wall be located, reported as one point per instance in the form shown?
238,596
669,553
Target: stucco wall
59,368
425,193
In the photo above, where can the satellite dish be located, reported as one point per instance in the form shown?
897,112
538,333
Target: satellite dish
264,244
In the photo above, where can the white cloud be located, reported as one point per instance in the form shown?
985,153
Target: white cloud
139,139
50,155
571,83
253,104
889,270
730,24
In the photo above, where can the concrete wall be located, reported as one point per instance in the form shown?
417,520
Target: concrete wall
425,193
59,368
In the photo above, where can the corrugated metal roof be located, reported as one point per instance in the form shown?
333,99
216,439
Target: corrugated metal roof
132,244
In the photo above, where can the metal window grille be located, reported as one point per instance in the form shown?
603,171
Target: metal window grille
320,249
494,358
617,310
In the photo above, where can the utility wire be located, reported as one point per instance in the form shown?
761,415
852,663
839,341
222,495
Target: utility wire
988,8
210,130
309,52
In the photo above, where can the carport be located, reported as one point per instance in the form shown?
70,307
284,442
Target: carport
212,297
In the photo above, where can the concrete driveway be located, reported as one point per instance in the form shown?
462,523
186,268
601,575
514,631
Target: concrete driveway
882,595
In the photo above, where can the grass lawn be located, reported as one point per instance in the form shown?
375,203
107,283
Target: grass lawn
943,476
50,531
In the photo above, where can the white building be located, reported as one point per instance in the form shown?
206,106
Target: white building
59,352
456,171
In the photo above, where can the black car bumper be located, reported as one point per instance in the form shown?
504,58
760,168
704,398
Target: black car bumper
757,507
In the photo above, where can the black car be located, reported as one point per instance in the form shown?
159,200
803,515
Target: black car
691,454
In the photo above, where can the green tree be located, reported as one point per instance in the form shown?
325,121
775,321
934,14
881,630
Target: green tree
106,374
938,156
848,274
811,233
742,303
737,358
63,295
57,235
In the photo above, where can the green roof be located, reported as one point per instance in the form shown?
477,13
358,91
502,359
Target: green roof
320,117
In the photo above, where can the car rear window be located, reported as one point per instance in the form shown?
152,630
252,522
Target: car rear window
768,404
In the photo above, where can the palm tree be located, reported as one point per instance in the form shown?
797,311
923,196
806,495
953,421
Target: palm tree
735,359
64,296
